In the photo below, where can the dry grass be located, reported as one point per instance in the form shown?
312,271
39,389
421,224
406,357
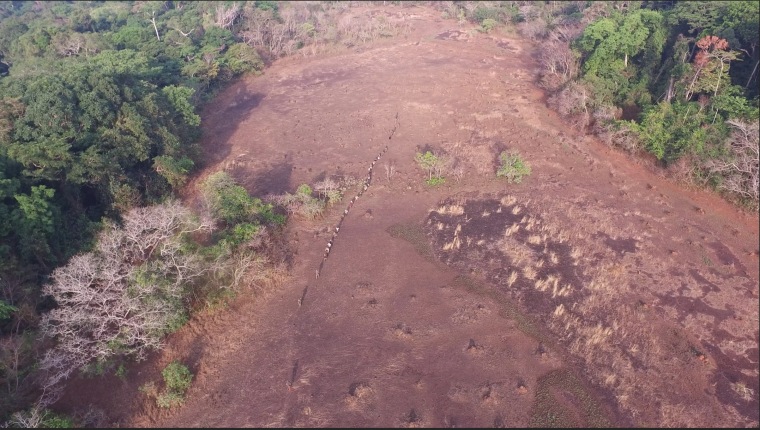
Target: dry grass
512,278
359,395
450,210
455,242
402,331
602,324
514,228
530,273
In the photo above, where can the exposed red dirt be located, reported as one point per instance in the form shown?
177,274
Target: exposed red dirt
659,324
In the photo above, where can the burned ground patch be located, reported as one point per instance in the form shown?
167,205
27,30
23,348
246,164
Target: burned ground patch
514,249
586,288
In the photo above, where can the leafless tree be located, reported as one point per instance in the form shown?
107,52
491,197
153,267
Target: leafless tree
740,170
559,64
594,11
326,187
573,102
71,44
533,29
619,134
456,168
226,15
565,33
29,419
153,21
68,44
121,297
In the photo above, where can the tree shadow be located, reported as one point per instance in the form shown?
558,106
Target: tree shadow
498,148
222,116
267,179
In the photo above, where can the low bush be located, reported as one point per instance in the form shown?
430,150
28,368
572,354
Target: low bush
512,167
488,24
302,202
435,181
433,165
177,379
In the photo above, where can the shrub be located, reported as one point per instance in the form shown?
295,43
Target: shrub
304,190
433,165
435,180
56,421
230,202
6,310
177,378
489,24
301,202
512,167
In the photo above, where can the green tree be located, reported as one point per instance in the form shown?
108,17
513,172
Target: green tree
620,54
180,97
428,162
230,202
36,220
241,58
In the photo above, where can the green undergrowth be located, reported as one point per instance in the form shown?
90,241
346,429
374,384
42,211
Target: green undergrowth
414,234
547,412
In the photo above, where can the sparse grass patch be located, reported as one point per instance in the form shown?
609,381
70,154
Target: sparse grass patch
358,394
488,24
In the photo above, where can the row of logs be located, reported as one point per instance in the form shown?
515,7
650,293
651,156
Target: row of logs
365,185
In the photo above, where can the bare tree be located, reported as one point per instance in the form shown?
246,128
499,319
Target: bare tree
30,419
123,296
226,16
456,168
740,170
326,187
619,134
68,44
574,102
559,64
153,21
534,29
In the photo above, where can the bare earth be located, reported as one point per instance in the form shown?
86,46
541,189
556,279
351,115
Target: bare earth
594,293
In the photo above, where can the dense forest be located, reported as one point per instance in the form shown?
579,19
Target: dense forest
99,130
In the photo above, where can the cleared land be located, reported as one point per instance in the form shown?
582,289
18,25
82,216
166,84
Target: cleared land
594,293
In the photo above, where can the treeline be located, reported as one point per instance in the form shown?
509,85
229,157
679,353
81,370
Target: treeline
98,103
677,80
97,116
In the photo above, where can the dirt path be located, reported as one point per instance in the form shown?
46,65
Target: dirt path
396,333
